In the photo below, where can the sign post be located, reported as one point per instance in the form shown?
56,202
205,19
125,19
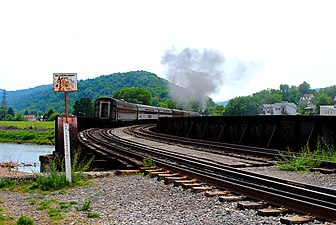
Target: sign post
66,82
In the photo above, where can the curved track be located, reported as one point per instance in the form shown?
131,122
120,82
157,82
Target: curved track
303,198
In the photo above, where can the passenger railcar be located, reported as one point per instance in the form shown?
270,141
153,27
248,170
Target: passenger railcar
146,112
115,110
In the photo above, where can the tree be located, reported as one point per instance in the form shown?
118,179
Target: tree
50,115
217,110
134,95
11,111
167,103
83,107
322,99
304,88
284,89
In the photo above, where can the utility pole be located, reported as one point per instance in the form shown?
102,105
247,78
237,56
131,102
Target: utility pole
4,103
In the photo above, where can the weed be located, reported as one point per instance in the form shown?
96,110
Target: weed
308,158
55,180
23,220
73,203
64,205
6,183
92,215
86,206
55,213
45,205
141,174
148,162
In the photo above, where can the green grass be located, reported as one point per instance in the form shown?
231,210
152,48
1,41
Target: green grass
27,132
308,158
53,179
26,125
23,220
92,215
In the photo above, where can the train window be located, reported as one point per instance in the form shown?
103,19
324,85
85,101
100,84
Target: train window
105,110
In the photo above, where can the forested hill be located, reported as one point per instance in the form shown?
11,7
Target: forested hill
43,98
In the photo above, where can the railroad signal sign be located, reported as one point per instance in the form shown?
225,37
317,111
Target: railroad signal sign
65,82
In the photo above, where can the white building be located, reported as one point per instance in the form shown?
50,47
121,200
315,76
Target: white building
328,110
284,108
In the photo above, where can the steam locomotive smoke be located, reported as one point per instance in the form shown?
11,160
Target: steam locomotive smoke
200,73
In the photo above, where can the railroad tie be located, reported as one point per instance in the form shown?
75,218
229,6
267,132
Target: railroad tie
190,185
272,212
162,176
297,219
252,205
231,198
169,180
148,168
180,182
155,173
127,172
216,193
201,189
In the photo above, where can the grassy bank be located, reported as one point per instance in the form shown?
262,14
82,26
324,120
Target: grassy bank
27,132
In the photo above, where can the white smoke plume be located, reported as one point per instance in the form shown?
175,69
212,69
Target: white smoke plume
200,73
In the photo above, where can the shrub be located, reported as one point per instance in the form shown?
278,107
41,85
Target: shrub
308,158
54,179
23,220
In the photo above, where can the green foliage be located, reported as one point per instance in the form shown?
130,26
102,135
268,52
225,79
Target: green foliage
55,180
308,158
83,107
148,162
42,98
93,215
251,105
27,132
23,220
304,88
86,206
134,95
55,213
6,183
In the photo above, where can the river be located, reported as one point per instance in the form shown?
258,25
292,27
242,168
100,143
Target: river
24,153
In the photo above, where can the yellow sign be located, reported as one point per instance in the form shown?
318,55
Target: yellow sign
64,82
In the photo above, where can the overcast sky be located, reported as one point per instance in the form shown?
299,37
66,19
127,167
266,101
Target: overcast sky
277,42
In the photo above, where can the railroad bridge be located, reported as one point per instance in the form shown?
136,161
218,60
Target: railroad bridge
275,132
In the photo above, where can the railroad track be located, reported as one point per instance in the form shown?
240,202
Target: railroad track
302,198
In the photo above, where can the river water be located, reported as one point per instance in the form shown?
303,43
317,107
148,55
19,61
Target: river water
24,154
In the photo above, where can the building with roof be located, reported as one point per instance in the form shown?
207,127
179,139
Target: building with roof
285,108
328,110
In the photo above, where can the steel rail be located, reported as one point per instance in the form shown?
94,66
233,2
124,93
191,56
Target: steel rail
292,196
226,147
146,131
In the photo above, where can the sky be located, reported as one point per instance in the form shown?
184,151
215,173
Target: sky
261,43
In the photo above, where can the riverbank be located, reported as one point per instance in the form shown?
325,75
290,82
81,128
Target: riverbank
26,132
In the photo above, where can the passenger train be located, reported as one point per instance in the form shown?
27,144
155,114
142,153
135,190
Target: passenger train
115,110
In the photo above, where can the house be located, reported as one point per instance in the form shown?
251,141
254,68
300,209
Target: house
328,110
284,108
32,118
307,100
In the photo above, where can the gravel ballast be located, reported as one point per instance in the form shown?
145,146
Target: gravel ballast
131,199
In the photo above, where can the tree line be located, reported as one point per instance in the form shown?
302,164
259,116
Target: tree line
146,88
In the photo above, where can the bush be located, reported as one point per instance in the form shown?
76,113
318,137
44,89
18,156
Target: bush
54,179
308,158
23,220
